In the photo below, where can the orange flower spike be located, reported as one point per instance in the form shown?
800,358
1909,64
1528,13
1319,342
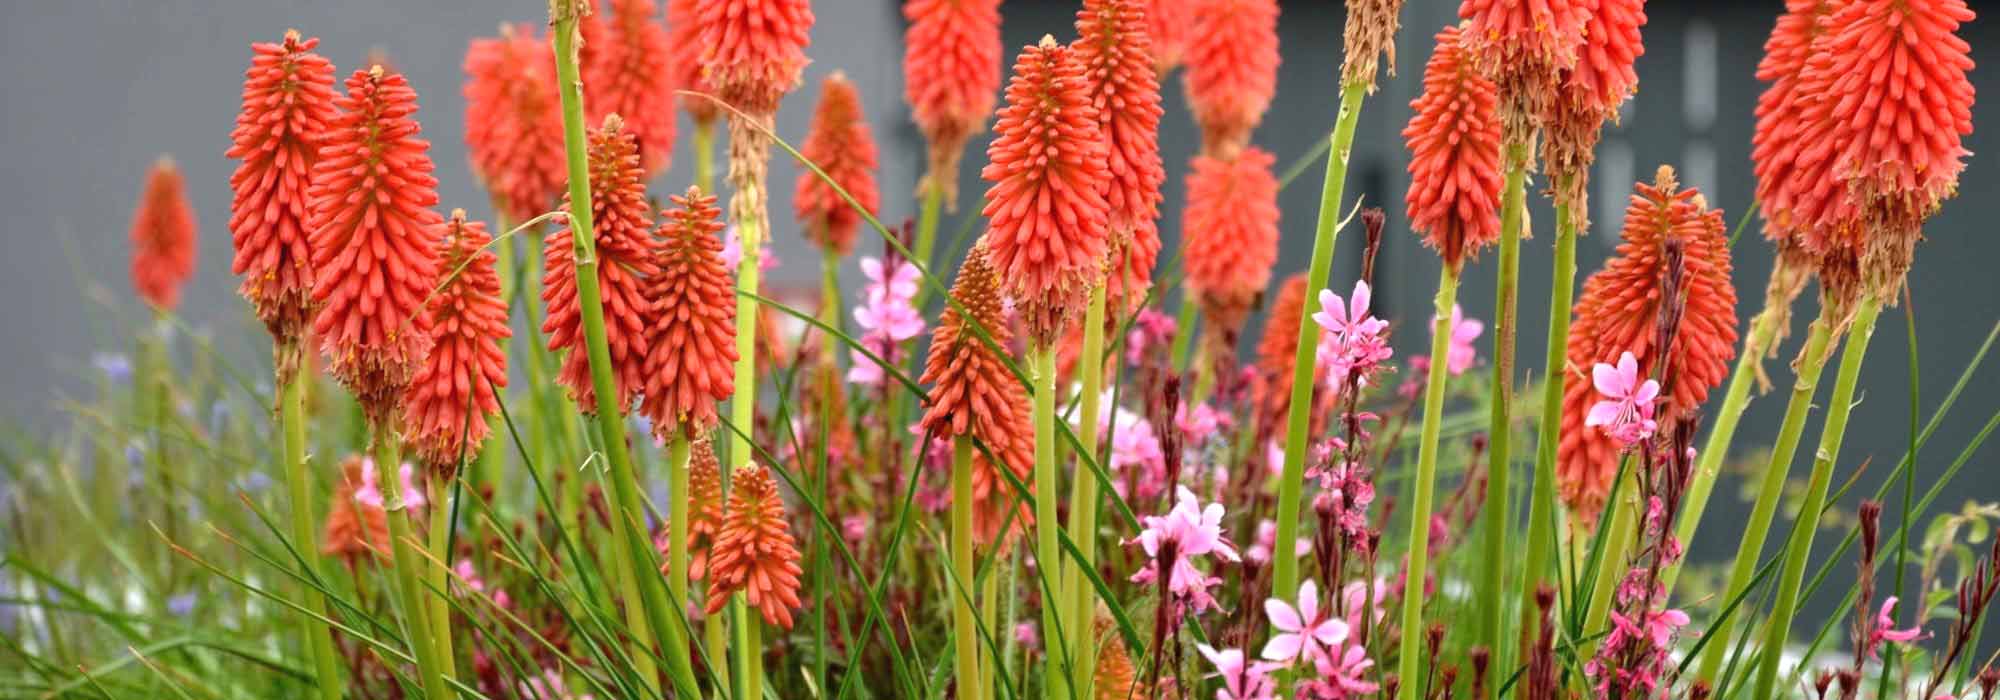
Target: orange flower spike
1592,92
468,320
287,103
374,240
993,494
1618,312
973,394
691,339
1230,234
1782,124
754,552
840,143
628,64
513,120
755,49
1169,22
1232,69
951,67
1454,142
704,508
1116,51
1048,233
626,258
684,49
163,237
1275,349
1524,45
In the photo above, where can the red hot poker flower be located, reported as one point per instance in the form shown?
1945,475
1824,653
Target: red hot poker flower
755,49
627,62
374,240
691,342
1230,235
754,552
1048,234
1116,51
1591,93
1169,22
704,509
1619,313
1524,45
468,320
973,394
951,72
1232,69
625,259
287,104
684,59
840,143
163,237
1776,145
1454,142
513,120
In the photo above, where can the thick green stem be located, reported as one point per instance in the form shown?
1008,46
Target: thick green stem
1291,485
1420,506
743,404
1499,428
1769,493
292,418
438,571
1183,334
1839,407
1048,546
965,634
403,555
1708,465
1623,508
989,607
1083,498
704,155
678,450
927,225
1542,501
750,660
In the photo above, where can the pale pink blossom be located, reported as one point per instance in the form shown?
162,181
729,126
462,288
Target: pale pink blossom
1149,329
1354,597
1884,629
1200,422
1351,342
1241,680
1186,533
1626,412
1304,632
1463,332
732,253
1267,541
369,493
1343,673
886,316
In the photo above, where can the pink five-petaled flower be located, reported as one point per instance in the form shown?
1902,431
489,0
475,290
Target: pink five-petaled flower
1303,632
1174,540
1626,412
1463,332
886,316
369,493
1351,343
1884,629
1240,680
1344,673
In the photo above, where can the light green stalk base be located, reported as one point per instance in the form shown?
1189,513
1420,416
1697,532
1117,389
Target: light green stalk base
1623,508
318,637
1499,428
1183,334
1048,546
1542,502
927,224
1083,499
704,156
1291,485
1420,507
743,404
403,555
677,520
989,607
965,634
438,570
1839,407
1769,493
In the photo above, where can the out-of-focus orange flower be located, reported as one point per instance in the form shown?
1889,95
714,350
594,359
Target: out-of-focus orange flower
1591,93
353,529
1277,350
685,47
1619,313
1115,677
840,143
445,411
754,49
1232,69
1370,39
1113,45
513,120
704,507
1229,235
753,551
974,395
691,342
1524,45
374,238
1454,142
628,67
1049,232
287,104
163,237
951,74
625,259
1169,22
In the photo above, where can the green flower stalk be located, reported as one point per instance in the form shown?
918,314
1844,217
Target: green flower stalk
1499,430
1542,500
965,635
298,483
1084,499
1411,655
403,547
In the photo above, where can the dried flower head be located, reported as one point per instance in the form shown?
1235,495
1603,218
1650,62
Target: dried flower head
1229,234
287,104
444,413
1048,231
513,120
374,241
840,143
627,62
1369,38
684,50
951,73
1618,313
1524,45
163,237
974,395
1454,142
1169,22
755,49
691,337
1590,94
625,259
1232,69
753,550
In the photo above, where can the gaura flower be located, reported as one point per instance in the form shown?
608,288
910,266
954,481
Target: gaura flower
1343,673
374,240
753,551
1523,45
513,120
973,394
354,528
1116,52
626,257
1454,142
684,50
1232,69
1230,234
368,491
1352,343
1591,93
627,63
1626,410
287,105
1303,633
1463,332
163,237
755,49
888,317
839,142
691,333
951,73
445,410
1240,680
1884,630
1173,541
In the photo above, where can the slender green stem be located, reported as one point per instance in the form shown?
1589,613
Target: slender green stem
1623,508
1542,501
965,635
1769,492
989,607
292,418
829,378
1184,322
1420,506
438,571
704,155
1891,653
1048,548
1083,499
927,225
743,404
1839,407
678,450
402,546
1499,429
751,657
1291,485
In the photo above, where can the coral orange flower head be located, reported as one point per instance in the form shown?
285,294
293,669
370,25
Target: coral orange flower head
691,343
1169,22
840,143
684,49
999,512
1454,142
1777,145
163,237
513,120
1115,51
951,74
625,259
445,411
1524,45
374,241
753,551
1276,350
973,395
1049,230
1232,69
1591,93
1229,233
1370,38
287,104
755,49
628,65
1619,313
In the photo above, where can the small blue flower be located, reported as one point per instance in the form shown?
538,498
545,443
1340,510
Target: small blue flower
181,605
115,366
254,482
135,454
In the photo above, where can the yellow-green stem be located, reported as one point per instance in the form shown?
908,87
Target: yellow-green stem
438,571
704,155
1499,429
1542,498
291,416
989,605
1083,498
1839,408
1818,342
1291,484
404,557
752,653
743,404
927,225
1048,546
1183,334
678,452
965,635
1420,507
1622,507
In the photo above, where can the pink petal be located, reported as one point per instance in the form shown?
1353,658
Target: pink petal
1601,413
1608,381
1283,647
1282,616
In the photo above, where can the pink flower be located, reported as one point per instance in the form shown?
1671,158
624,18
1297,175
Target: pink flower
1303,632
1200,422
1884,629
1240,681
1626,413
1344,674
370,492
1186,532
1463,332
1150,328
1267,540
886,316
1351,342
732,253
1025,635
1354,597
